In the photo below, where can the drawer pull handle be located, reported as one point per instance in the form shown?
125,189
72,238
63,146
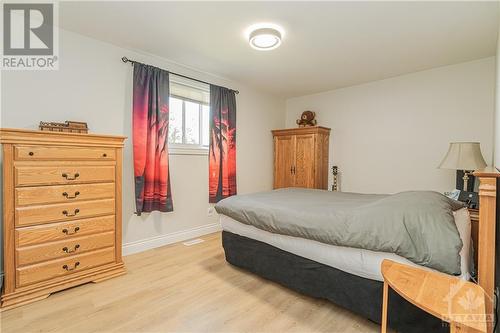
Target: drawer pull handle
104,155
31,153
65,249
65,212
77,193
68,177
66,267
67,232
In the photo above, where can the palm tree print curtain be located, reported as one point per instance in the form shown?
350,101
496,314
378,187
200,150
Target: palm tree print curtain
150,135
222,151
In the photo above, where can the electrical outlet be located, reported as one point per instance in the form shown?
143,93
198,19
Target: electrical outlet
210,211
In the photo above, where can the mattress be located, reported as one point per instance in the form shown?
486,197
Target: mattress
360,262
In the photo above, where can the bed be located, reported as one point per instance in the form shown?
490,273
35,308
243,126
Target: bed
346,275
356,261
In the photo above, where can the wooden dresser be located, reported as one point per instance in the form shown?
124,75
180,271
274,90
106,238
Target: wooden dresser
61,212
301,157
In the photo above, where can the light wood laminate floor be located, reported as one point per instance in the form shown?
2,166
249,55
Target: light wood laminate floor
178,288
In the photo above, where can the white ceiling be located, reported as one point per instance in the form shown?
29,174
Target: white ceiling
327,45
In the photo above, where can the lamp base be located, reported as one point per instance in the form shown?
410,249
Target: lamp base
461,184
466,180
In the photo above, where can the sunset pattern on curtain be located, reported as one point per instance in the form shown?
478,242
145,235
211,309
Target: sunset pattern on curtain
222,150
150,135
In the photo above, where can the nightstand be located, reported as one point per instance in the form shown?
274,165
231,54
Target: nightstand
474,219
444,296
474,215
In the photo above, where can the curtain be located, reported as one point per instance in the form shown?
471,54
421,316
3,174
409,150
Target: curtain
222,149
150,139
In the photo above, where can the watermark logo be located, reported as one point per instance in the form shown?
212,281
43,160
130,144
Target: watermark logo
466,305
30,36
470,301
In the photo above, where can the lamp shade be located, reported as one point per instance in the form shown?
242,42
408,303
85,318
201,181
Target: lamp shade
463,156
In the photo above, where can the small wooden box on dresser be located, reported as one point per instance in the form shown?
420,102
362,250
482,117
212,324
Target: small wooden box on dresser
61,212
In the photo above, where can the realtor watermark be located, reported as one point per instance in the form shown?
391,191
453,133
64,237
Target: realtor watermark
465,307
30,36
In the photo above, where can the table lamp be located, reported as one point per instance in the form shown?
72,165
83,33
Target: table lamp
464,156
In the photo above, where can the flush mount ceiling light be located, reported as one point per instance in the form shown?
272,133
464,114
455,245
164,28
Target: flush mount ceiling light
264,37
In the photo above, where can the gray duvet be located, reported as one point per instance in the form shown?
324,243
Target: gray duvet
416,225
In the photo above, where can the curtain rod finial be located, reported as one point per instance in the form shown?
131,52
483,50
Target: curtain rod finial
125,59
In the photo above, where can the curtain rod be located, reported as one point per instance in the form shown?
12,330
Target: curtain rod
125,60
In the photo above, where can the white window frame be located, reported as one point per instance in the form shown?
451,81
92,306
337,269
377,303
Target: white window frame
187,148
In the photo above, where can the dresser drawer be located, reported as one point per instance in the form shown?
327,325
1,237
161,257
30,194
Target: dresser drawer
63,193
48,175
43,252
63,153
63,230
60,267
63,212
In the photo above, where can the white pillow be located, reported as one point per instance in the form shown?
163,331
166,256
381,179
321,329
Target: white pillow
463,223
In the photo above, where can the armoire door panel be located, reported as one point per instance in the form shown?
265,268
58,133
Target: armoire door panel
304,160
284,157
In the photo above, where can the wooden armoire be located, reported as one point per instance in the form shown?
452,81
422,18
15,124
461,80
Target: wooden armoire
301,157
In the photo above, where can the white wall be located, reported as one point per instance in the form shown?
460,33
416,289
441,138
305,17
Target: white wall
390,135
94,85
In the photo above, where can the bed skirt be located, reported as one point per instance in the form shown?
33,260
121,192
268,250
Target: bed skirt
357,294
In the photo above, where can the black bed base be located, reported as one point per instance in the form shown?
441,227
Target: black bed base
357,294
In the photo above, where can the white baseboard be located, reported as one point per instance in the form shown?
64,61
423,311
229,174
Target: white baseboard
179,236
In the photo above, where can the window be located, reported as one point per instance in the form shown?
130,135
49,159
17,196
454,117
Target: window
188,122
189,117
